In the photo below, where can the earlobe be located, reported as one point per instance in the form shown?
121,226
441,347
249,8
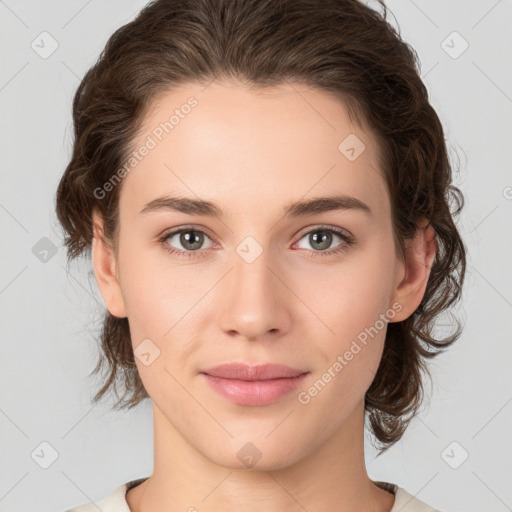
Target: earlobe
105,269
420,254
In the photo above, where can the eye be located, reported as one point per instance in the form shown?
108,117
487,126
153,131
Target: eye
188,240
321,238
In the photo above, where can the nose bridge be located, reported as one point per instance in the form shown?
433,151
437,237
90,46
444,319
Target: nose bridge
252,300
251,274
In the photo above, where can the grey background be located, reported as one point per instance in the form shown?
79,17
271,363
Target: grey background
49,318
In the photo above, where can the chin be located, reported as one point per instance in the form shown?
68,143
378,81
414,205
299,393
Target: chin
254,453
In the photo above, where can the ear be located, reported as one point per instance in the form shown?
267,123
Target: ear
105,269
420,253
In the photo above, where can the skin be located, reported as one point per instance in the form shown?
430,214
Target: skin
252,152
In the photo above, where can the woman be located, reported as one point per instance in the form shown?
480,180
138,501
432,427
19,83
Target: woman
266,195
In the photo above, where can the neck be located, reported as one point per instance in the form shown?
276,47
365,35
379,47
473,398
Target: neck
331,476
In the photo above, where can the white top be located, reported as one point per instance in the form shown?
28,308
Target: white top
116,500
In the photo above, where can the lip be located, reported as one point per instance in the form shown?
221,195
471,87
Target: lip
253,385
241,371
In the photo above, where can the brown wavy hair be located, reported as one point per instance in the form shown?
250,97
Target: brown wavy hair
342,47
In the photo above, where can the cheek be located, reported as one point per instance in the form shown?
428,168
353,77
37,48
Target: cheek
353,304
352,295
157,294
162,302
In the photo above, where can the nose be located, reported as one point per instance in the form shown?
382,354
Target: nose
254,299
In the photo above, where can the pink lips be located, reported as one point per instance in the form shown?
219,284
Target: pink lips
253,385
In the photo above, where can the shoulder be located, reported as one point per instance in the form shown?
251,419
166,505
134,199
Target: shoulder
114,502
406,502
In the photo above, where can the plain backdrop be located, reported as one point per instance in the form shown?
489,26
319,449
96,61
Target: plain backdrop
57,451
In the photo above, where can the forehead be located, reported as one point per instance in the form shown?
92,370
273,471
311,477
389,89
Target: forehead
244,147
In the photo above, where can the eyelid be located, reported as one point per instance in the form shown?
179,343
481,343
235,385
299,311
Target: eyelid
168,232
315,227
190,227
347,237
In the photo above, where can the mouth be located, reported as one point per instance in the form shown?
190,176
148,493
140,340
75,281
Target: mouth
242,371
254,385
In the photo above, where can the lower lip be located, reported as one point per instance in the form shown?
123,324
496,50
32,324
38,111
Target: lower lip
255,393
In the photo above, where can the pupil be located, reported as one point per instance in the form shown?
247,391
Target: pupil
186,238
324,239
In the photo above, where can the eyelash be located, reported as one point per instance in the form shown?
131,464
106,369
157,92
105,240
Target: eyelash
348,241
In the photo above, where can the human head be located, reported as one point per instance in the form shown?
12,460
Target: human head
343,48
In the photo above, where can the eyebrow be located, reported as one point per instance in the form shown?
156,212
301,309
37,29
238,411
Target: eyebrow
295,209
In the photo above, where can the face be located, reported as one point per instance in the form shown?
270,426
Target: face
249,278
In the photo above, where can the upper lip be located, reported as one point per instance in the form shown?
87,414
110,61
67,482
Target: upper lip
241,371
